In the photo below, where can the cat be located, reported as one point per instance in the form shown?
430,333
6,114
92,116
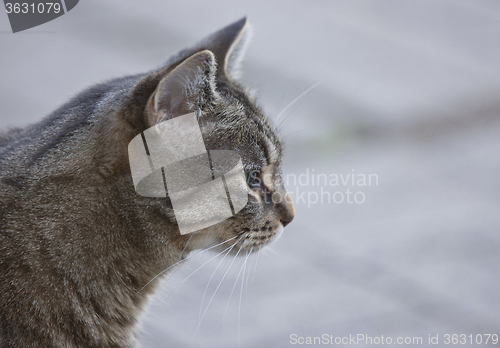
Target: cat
80,250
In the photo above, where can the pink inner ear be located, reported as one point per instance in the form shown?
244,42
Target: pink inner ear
167,100
152,114
176,104
170,100
172,97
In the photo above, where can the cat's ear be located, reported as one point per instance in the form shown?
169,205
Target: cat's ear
228,46
184,89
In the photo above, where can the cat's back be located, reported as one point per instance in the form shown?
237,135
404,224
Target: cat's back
27,145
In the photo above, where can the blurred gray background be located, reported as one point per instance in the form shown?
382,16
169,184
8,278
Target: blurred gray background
406,90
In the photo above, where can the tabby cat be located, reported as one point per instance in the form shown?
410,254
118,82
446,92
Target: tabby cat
79,248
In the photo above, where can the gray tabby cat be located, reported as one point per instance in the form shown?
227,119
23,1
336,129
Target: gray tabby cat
77,243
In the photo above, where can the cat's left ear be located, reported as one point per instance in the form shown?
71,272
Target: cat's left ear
228,46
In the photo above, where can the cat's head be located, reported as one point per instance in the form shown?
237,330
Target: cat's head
204,80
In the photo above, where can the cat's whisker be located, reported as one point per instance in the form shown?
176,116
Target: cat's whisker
295,100
172,274
209,281
270,250
216,289
196,270
256,263
188,258
185,246
248,277
288,138
177,269
231,294
167,279
241,295
279,105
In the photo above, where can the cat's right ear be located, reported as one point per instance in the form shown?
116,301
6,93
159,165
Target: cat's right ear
185,89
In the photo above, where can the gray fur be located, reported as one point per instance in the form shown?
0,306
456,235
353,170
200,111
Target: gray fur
77,244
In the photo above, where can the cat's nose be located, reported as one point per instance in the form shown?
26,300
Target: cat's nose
286,210
287,220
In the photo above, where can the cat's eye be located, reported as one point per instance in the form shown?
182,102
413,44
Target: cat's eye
253,179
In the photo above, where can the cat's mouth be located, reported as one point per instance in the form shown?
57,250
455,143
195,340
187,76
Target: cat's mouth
254,239
246,239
